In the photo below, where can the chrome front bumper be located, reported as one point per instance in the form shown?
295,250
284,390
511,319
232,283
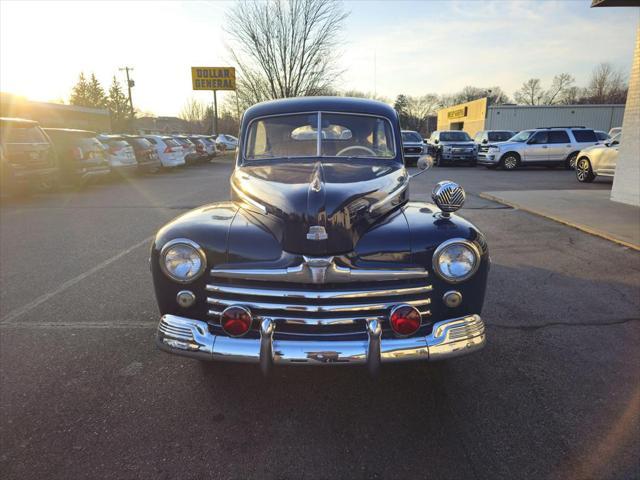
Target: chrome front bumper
487,158
191,338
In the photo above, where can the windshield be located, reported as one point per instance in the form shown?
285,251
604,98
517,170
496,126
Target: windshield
411,137
342,135
18,133
454,137
500,136
522,136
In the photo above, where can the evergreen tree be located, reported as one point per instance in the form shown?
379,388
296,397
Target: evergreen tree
80,92
118,106
401,106
95,92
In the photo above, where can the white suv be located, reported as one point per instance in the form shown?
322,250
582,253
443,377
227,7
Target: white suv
551,146
170,152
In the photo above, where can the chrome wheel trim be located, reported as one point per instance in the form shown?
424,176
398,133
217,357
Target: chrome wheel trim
510,162
582,169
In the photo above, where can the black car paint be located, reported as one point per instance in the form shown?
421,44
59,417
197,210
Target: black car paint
76,170
332,192
25,166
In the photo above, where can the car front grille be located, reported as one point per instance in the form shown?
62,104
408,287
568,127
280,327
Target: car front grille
313,309
413,150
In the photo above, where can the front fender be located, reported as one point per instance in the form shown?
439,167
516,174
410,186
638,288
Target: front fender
428,230
209,227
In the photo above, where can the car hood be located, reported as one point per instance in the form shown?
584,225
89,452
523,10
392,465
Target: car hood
505,144
591,148
340,198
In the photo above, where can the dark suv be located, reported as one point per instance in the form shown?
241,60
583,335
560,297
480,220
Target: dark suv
452,146
146,155
80,155
27,156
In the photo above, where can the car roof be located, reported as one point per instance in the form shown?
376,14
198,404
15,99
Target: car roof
18,120
69,130
314,104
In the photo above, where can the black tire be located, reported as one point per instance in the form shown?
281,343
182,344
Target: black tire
570,162
509,161
584,172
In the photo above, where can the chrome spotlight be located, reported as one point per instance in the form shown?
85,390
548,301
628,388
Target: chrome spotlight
448,196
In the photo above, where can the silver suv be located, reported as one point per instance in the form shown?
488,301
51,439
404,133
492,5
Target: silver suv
550,146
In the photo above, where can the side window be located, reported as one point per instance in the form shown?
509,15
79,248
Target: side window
152,140
584,136
558,136
539,138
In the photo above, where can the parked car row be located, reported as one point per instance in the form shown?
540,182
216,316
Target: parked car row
36,158
549,146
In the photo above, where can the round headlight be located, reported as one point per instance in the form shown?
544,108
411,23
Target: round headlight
182,260
456,260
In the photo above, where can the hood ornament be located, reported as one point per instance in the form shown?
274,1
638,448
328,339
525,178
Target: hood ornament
317,233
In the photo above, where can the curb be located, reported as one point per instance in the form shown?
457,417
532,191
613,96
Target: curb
577,226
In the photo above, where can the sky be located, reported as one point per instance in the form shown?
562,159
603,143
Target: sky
410,47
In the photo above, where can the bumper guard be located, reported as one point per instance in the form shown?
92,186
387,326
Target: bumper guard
191,338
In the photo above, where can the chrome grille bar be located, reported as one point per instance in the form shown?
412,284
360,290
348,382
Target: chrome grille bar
314,295
263,305
331,273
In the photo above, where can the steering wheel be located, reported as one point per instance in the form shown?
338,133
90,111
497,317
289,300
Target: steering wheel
356,147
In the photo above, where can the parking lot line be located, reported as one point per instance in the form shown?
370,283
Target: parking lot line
11,316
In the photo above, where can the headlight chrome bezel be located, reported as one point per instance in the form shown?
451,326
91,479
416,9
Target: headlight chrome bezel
190,243
448,243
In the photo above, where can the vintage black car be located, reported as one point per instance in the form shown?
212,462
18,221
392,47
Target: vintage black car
319,258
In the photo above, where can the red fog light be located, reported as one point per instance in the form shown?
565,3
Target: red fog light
235,321
405,320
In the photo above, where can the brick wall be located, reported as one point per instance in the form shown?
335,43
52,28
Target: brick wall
626,183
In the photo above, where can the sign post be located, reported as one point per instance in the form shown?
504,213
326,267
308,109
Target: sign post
213,78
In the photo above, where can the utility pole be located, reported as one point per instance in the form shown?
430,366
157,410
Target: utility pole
130,83
215,113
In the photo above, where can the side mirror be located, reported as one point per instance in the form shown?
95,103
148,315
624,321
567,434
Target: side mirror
485,141
425,162
615,142
436,141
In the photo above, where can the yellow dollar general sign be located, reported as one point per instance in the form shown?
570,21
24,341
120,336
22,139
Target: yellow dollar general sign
213,78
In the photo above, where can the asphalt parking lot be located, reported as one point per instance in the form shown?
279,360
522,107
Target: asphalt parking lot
85,394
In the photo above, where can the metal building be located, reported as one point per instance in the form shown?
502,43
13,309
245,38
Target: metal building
521,117
475,116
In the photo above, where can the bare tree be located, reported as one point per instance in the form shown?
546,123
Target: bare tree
360,94
285,48
571,96
530,93
606,85
495,96
195,113
414,111
559,88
